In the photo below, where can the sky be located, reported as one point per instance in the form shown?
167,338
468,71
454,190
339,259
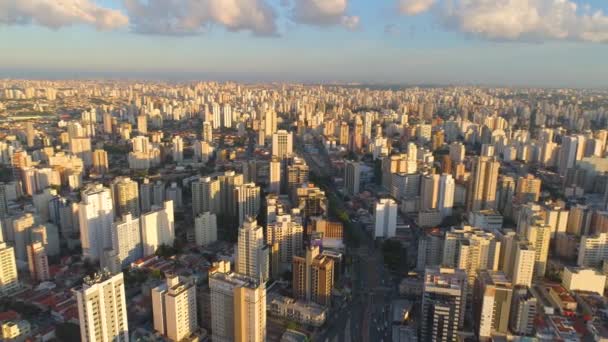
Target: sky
553,43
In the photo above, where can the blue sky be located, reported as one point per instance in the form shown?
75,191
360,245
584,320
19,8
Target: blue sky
317,44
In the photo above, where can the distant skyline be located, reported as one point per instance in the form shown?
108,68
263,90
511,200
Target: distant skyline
548,43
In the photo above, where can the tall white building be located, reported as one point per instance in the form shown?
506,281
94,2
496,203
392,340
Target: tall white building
9,281
523,268
95,216
493,307
238,306
126,240
593,250
205,228
247,201
540,237
447,187
282,144
471,249
429,192
288,233
252,253
102,309
174,308
386,218
275,175
157,228
352,177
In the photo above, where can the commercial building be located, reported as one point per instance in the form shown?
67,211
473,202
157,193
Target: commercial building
443,304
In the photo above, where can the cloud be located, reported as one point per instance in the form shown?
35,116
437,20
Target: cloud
55,14
324,13
189,17
414,7
527,20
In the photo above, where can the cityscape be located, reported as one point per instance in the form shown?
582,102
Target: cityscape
340,200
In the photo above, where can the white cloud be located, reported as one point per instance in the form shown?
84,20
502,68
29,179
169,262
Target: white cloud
185,17
528,20
59,13
414,7
324,13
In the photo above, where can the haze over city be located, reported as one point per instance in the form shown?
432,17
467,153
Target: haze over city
506,42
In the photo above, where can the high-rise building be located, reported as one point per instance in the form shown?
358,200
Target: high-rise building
430,251
429,192
142,124
81,147
126,241
95,216
207,132
228,183
524,264
38,262
247,201
311,201
593,250
174,308
567,154
125,192
157,228
447,187
528,189
205,228
471,249
343,141
102,309
493,304
145,195
205,196
579,220
177,149
385,218
9,281
457,152
352,177
296,174
313,277
288,233
100,161
539,237
443,304
282,144
274,181
523,311
22,226
504,194
481,192
30,134
356,142
238,306
252,253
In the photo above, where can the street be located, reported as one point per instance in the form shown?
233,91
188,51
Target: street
367,316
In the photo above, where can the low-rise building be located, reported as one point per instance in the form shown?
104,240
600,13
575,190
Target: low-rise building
298,311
